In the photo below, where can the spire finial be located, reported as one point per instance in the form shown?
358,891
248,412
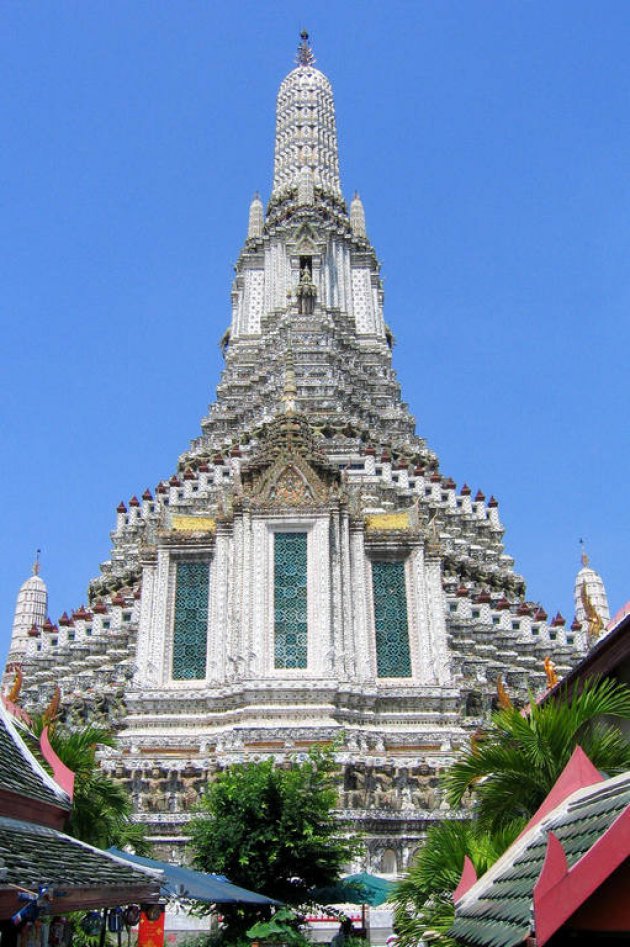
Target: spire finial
305,55
36,563
583,557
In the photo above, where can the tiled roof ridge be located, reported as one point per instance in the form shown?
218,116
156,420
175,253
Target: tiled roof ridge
579,773
61,798
37,853
579,797
143,869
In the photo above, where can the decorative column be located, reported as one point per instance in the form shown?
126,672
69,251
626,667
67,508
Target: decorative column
146,666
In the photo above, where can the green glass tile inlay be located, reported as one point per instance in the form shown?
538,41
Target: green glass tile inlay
390,612
191,621
290,600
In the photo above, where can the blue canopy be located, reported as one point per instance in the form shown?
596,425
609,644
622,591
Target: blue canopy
196,885
355,889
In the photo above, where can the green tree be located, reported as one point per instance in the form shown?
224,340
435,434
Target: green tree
272,829
101,808
516,761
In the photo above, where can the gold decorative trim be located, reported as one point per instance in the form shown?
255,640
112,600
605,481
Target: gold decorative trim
387,521
193,524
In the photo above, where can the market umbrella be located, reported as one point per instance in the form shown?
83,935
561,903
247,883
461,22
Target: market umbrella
361,888
197,885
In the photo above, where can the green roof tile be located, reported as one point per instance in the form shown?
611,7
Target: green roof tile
21,773
499,913
35,854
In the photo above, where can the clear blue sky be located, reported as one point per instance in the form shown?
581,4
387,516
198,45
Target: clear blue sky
490,142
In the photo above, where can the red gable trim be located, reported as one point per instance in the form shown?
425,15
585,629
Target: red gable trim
577,774
559,892
467,880
63,776
16,711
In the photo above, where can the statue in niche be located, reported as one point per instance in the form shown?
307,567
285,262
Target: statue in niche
189,798
306,292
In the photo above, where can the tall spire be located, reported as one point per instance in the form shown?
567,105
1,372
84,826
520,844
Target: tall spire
36,563
306,133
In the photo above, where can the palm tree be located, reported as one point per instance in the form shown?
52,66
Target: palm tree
423,900
101,807
509,770
514,764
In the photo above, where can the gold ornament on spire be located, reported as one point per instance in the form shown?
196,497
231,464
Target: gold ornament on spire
16,686
594,619
550,671
52,711
36,563
505,702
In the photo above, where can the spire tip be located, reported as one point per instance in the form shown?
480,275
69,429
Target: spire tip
584,556
305,56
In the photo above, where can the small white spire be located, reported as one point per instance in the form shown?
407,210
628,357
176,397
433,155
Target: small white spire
590,599
357,216
256,217
31,609
306,132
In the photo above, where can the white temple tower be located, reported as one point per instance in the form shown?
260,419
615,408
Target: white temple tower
306,573
591,601
31,610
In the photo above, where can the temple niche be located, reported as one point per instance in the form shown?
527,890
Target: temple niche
306,573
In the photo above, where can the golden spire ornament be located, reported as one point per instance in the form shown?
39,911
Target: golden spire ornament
593,618
550,671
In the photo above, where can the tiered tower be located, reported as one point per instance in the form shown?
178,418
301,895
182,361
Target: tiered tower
31,609
591,602
307,573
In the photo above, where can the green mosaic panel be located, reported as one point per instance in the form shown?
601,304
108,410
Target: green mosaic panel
390,611
290,604
191,621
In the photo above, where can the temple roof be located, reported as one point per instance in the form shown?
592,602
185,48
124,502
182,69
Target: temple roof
497,910
34,854
37,855
20,772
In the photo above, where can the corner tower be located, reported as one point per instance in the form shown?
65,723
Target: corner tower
31,609
306,573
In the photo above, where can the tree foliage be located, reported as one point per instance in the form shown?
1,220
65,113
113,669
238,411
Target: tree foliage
272,828
423,899
516,761
101,808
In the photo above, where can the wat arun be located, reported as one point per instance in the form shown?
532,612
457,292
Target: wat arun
306,573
